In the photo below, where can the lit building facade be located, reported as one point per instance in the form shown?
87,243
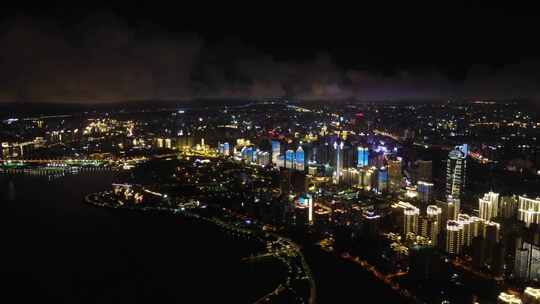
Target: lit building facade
362,157
394,174
454,237
488,206
425,191
410,221
338,156
276,151
429,229
456,172
529,210
289,159
382,180
531,296
508,298
299,159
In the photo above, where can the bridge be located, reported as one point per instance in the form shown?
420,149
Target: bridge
77,162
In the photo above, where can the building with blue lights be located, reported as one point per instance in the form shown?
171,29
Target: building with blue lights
362,157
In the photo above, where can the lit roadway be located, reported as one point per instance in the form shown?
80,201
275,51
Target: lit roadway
278,247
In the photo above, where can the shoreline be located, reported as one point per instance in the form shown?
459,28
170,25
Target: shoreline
287,243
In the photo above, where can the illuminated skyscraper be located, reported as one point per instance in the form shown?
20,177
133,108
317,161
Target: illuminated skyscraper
382,180
299,159
531,296
362,156
350,177
455,172
529,210
289,159
454,237
224,149
429,228
434,211
464,221
491,231
394,174
338,150
425,191
508,298
263,158
488,206
247,153
276,150
366,177
304,204
410,222
457,205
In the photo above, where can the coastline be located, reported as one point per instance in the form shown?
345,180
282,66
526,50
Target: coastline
263,236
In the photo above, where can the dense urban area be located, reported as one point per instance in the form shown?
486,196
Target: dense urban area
440,202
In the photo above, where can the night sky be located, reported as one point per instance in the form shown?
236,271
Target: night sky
122,53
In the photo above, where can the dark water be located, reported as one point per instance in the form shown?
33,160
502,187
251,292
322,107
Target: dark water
57,249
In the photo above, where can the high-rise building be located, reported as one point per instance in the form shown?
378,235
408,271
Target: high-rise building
531,296
276,151
527,262
351,177
382,180
454,237
224,149
424,170
435,213
508,298
457,205
464,221
349,157
299,159
429,228
362,157
338,156
508,206
521,263
456,172
410,222
263,158
247,153
488,206
394,174
492,232
168,143
478,226
366,176
289,159
529,210
305,204
447,211
425,191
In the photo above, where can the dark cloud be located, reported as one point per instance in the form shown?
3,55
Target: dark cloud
103,59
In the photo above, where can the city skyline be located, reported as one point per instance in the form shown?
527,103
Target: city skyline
159,155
